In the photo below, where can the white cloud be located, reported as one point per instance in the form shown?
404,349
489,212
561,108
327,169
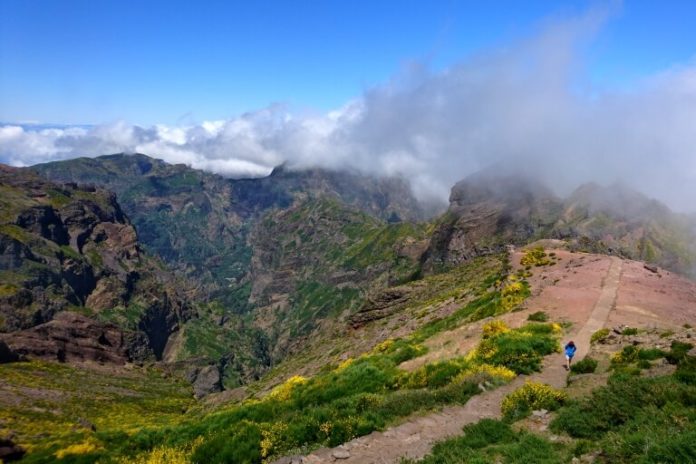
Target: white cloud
528,105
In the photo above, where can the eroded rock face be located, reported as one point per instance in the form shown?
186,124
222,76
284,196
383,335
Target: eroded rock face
64,246
488,211
7,355
205,381
71,337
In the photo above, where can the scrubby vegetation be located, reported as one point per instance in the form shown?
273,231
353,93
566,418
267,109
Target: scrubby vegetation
519,350
599,335
539,316
536,257
529,397
53,406
584,366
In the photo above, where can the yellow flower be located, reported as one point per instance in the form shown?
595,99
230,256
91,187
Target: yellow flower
496,372
493,328
79,448
344,364
283,391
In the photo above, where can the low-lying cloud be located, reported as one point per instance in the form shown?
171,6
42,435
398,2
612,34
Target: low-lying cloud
528,106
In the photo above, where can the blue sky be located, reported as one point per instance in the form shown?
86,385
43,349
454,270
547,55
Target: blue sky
182,62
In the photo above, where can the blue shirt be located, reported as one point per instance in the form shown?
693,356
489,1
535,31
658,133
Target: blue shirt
570,350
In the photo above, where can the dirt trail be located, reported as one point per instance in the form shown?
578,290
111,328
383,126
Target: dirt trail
415,437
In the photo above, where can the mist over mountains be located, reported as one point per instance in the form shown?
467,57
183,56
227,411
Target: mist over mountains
528,105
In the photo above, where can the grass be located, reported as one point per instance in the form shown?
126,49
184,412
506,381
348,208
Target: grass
45,403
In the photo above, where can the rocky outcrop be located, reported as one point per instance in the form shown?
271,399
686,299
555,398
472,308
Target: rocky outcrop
488,211
7,355
381,305
71,337
65,246
205,380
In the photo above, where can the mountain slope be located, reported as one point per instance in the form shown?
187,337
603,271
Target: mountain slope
489,211
619,220
199,222
69,248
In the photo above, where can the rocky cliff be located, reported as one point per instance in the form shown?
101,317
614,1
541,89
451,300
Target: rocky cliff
487,212
65,247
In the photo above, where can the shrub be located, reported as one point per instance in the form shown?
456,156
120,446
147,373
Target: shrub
599,335
283,391
686,371
535,257
483,372
643,364
520,350
433,375
493,328
238,445
513,294
677,352
628,354
531,396
651,354
585,366
539,316
486,432
629,331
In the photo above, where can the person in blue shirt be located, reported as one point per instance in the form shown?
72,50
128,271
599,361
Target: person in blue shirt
569,353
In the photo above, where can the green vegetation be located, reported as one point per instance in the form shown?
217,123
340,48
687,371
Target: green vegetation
49,406
585,366
539,316
529,397
313,301
629,331
599,335
636,419
520,350
536,257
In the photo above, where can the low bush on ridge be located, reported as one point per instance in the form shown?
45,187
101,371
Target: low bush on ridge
529,397
585,366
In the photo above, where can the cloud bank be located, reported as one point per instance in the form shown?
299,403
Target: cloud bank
527,106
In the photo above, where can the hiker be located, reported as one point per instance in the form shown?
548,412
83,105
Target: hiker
569,353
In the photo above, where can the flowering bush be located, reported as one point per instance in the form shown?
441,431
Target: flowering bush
500,373
283,391
493,328
531,396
